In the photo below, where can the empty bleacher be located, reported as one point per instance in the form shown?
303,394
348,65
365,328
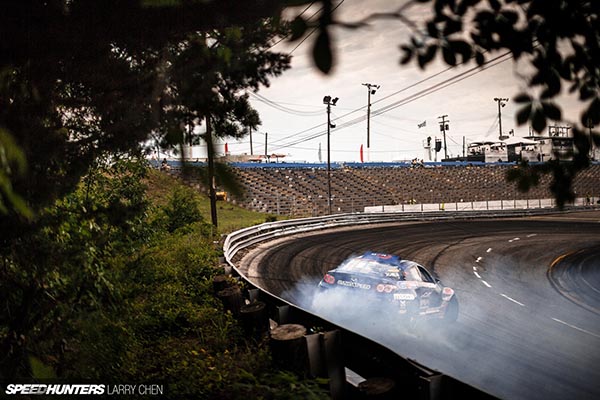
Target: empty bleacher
302,191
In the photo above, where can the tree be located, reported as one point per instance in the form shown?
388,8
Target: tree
84,81
80,79
61,267
560,40
206,79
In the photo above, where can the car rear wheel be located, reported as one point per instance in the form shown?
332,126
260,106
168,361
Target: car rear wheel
452,310
411,318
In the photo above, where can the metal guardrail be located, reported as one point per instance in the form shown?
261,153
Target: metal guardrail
255,234
428,384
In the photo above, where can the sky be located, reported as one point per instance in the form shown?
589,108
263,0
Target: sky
294,118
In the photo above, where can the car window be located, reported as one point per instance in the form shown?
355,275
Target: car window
359,265
412,273
426,275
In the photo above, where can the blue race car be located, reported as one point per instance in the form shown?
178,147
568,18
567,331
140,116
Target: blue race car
402,283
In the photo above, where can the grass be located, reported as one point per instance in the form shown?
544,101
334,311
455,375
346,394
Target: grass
229,216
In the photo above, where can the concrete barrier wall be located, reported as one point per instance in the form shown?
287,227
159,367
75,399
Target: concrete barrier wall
492,205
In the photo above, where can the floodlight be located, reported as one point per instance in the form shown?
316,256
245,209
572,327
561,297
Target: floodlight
334,101
326,99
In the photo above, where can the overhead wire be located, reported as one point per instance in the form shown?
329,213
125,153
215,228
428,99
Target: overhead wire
295,135
280,107
315,28
299,15
432,89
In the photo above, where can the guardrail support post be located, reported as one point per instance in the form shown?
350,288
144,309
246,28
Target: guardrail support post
430,387
332,348
253,295
282,314
316,363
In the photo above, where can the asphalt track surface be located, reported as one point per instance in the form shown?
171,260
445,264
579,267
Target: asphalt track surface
528,289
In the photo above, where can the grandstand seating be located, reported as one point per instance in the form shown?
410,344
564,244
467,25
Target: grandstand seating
302,191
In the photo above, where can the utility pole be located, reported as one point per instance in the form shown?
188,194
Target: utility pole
501,103
251,149
371,89
212,192
266,153
329,102
592,152
443,128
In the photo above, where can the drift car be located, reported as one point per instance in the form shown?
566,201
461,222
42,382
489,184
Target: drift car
406,285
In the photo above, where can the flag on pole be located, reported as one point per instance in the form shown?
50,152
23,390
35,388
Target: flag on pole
422,124
320,157
361,153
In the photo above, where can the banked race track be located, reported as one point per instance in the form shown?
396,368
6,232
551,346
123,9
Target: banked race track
528,289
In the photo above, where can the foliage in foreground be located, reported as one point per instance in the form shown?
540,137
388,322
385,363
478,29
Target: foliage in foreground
120,291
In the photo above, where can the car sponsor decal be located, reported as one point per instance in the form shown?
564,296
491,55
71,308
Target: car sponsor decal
354,284
404,296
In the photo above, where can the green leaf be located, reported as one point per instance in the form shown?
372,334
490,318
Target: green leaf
298,27
523,114
452,26
322,53
432,29
522,98
596,138
295,3
427,56
479,58
160,3
538,120
12,163
461,47
586,92
225,54
408,53
41,370
511,16
495,4
552,111
592,114
449,56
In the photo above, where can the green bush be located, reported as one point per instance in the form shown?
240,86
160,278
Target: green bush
150,314
182,209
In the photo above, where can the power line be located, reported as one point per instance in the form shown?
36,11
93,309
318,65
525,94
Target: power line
280,107
299,15
448,82
315,28
399,103
432,89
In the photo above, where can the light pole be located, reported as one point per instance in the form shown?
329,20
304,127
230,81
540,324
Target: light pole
371,89
501,103
592,152
329,102
443,128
